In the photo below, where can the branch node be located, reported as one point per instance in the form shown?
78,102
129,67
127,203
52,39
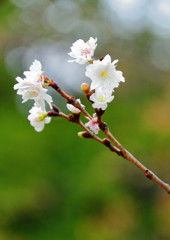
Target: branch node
99,113
55,108
74,117
71,100
103,126
106,142
84,135
53,114
54,85
148,174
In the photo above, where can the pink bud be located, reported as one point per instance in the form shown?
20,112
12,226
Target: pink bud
85,87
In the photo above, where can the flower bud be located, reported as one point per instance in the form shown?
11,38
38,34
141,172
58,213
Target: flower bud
85,87
84,135
73,117
106,142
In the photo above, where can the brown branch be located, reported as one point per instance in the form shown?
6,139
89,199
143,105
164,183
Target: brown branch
75,119
119,149
104,141
69,99
128,156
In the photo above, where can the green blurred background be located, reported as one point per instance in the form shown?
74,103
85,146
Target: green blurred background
54,185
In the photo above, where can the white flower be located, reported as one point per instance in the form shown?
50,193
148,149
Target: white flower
100,99
31,87
93,124
38,118
40,100
104,74
73,109
83,52
35,72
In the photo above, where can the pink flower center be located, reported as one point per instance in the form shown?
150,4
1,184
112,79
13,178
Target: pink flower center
85,52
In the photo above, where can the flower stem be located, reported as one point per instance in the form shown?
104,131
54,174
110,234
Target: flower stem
128,156
69,99
119,149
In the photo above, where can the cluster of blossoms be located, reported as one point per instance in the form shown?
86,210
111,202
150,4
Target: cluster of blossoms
104,79
32,87
102,73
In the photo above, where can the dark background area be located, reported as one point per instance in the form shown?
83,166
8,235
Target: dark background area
54,185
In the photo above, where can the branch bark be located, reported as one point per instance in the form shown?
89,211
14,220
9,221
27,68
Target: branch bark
128,156
119,149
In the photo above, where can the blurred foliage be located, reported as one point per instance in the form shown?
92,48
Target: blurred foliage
54,185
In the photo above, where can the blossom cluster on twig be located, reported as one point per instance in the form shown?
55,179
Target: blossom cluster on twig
32,87
104,79
102,73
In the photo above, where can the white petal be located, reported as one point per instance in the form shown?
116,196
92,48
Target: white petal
47,120
115,61
72,109
36,66
19,79
39,127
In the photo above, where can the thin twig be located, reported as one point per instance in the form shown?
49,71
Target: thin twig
105,141
128,156
120,150
69,99
73,118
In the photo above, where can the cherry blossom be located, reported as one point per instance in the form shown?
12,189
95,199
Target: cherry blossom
100,99
31,87
93,124
38,118
104,74
83,51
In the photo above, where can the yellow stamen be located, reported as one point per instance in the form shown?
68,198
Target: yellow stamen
41,117
103,74
101,99
33,93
